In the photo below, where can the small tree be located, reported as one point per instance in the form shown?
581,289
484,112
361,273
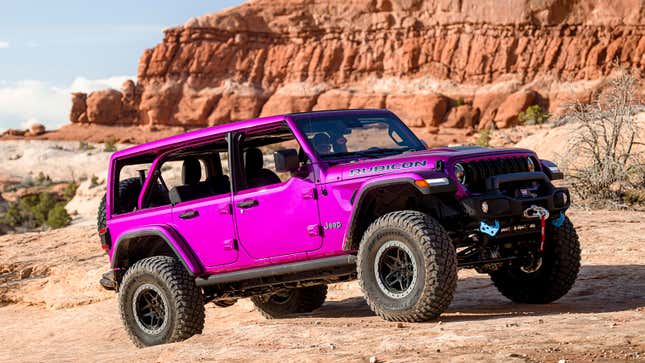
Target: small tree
58,217
604,164
533,115
110,144
483,137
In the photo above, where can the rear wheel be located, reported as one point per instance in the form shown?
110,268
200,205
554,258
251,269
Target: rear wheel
160,303
547,277
407,267
292,301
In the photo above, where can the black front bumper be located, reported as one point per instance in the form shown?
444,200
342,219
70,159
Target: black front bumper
500,205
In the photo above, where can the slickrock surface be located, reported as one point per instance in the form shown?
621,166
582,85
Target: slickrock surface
52,309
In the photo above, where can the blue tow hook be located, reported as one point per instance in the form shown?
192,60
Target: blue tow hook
488,229
558,221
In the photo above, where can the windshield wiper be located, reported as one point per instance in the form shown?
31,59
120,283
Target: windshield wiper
379,150
349,153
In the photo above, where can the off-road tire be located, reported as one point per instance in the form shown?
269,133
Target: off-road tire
553,279
184,299
128,193
299,301
436,266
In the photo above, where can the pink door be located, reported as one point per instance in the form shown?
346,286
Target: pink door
278,220
207,226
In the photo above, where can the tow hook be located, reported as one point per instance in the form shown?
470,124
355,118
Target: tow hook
535,211
557,223
488,229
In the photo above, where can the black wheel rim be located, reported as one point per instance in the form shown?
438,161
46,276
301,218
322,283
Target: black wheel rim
150,309
281,297
395,269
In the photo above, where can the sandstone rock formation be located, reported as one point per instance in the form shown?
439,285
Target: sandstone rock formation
419,58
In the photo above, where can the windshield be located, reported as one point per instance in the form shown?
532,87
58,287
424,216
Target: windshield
358,135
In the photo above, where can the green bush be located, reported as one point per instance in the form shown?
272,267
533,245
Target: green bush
483,137
84,146
70,191
35,211
533,115
94,181
13,216
109,145
58,217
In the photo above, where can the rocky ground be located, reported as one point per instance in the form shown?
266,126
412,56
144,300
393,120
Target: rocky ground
52,308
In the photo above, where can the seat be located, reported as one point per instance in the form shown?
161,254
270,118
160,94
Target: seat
191,188
256,175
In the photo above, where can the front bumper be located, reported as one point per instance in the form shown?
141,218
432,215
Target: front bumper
493,204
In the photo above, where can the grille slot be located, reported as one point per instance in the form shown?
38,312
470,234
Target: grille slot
478,171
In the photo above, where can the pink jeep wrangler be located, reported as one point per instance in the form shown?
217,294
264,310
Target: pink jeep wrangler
276,208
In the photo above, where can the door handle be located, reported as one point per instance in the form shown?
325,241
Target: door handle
189,214
248,204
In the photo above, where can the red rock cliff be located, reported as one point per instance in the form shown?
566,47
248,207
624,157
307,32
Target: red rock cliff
457,63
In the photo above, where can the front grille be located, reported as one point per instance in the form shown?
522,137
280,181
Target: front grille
478,171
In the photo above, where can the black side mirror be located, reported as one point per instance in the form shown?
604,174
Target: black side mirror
286,160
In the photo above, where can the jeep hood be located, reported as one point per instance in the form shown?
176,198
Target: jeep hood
423,160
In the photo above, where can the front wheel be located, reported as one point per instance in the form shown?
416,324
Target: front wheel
407,267
549,276
160,302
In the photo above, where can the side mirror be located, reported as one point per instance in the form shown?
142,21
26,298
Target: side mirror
286,160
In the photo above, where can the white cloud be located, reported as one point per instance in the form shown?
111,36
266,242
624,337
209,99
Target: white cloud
4,44
28,101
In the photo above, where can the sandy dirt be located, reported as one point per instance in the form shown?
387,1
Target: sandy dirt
52,309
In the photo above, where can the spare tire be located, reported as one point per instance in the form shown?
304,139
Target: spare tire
128,197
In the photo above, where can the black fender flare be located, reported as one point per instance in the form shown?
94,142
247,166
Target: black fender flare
359,196
172,239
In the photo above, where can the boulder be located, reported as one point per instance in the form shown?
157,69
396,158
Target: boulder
416,110
78,113
35,129
507,112
104,107
464,116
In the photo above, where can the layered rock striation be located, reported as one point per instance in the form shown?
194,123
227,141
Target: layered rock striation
464,63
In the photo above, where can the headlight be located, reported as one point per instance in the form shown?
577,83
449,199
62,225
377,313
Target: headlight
531,164
460,173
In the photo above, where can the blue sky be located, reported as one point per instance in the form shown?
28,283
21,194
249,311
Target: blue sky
51,48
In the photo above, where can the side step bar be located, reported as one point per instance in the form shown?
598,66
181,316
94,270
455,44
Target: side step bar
289,268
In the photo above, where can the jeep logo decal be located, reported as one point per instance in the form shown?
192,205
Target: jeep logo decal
382,168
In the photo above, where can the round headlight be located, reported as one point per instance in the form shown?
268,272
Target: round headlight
531,164
460,173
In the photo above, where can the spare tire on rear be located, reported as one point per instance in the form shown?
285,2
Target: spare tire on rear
128,196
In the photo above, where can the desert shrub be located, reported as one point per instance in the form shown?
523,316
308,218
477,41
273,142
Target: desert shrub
94,181
58,216
533,115
42,179
459,102
34,211
84,146
13,216
70,191
483,137
109,145
603,163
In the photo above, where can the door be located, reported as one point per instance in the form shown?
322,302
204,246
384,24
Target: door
276,212
199,190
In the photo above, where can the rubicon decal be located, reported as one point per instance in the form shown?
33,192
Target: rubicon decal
387,167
